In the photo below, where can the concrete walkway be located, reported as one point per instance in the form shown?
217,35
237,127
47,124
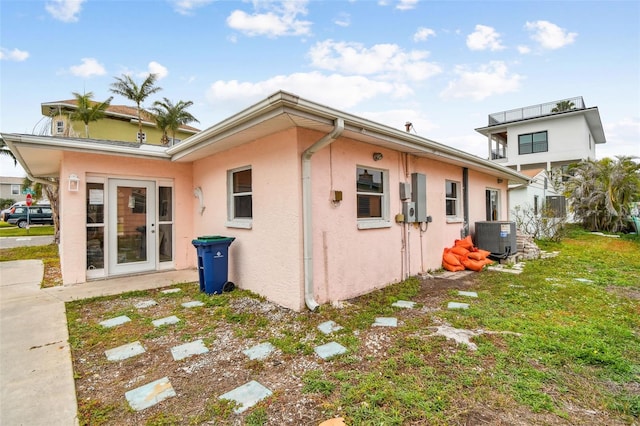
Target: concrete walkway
36,375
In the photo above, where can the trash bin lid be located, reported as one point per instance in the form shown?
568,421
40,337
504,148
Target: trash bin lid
212,239
215,238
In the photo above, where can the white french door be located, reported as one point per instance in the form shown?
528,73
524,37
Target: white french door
132,226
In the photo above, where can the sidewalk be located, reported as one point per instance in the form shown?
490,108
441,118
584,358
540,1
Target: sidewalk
36,375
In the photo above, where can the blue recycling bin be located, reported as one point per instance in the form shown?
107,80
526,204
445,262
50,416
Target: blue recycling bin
213,265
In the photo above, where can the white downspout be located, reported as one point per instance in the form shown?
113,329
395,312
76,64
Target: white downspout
307,236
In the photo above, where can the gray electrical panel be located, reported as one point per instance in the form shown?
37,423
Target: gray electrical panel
405,191
409,211
419,195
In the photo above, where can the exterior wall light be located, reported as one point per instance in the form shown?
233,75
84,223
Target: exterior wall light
74,182
377,156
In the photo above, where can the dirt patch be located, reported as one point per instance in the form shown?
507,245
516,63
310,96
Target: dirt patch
626,292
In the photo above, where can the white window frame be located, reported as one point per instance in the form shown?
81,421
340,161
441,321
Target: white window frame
497,191
102,272
232,221
144,137
15,189
454,217
375,222
166,264
59,127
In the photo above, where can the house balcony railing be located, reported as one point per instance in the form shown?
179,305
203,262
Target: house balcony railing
533,111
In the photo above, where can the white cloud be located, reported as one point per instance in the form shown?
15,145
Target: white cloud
385,60
484,38
524,50
622,138
343,20
490,79
64,10
407,4
339,91
549,35
278,19
186,7
160,70
422,34
89,68
15,55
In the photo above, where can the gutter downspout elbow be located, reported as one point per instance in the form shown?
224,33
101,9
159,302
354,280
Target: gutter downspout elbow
307,235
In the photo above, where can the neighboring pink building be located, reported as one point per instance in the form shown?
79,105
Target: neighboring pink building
314,197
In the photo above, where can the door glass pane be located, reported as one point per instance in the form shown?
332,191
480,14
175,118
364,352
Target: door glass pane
95,247
165,212
95,225
132,224
95,203
165,238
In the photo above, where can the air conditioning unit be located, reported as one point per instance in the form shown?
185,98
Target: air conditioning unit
497,237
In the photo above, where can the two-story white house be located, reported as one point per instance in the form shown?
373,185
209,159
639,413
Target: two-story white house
541,141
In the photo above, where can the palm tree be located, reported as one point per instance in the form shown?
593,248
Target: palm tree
601,192
88,110
6,152
125,86
172,116
563,106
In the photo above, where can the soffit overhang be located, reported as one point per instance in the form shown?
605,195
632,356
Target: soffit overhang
591,115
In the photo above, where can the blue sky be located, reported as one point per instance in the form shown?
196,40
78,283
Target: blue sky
442,65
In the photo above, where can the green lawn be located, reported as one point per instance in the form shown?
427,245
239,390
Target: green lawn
8,230
563,348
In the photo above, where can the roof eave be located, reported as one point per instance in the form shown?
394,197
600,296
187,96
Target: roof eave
281,102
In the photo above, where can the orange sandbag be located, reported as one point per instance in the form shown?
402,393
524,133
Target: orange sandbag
488,261
452,268
450,258
466,242
460,251
479,254
474,265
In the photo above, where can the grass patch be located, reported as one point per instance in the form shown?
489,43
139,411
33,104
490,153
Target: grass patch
8,230
559,348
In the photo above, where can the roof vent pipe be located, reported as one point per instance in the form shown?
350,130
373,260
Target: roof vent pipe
307,235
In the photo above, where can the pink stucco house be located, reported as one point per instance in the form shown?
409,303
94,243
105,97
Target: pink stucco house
323,205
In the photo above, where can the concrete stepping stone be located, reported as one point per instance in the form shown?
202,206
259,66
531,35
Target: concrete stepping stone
259,352
171,290
467,293
385,322
196,347
458,305
329,327
247,395
166,321
500,268
150,394
115,321
329,350
193,304
145,304
125,351
404,304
